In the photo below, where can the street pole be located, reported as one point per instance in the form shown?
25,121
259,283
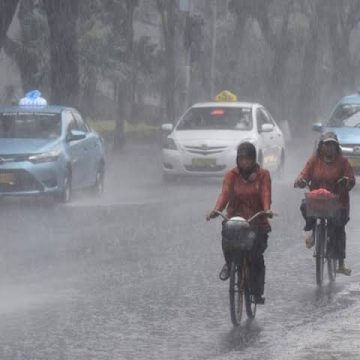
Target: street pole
188,64
213,50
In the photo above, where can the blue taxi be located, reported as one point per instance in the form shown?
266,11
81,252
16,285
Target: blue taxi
345,123
48,149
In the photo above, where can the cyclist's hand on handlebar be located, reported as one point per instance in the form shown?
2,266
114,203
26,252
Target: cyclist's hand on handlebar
300,182
211,215
344,184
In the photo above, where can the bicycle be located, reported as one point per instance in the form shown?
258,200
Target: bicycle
241,237
322,207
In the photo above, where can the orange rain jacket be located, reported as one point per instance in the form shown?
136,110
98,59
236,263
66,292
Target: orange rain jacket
246,197
325,175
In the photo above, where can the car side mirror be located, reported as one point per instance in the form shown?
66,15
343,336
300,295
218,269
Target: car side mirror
317,127
167,128
267,127
75,135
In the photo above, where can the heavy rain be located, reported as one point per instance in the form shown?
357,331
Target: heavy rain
105,249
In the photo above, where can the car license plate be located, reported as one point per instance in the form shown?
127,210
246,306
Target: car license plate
7,178
203,162
354,162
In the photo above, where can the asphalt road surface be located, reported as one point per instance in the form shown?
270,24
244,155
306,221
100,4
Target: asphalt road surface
134,275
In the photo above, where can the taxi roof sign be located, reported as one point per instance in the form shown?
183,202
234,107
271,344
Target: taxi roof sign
225,96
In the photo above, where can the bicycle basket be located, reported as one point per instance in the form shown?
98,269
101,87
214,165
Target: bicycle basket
322,206
238,235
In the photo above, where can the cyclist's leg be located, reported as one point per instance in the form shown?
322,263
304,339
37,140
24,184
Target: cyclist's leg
332,245
225,271
309,221
257,266
339,240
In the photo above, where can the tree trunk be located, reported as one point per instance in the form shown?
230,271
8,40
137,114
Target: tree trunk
26,63
305,106
339,37
88,105
64,57
167,13
7,12
126,88
280,44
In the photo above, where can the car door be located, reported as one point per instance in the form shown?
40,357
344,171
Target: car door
266,137
90,151
76,151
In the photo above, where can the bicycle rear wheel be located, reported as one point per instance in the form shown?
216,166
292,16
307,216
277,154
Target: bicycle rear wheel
320,252
250,305
236,293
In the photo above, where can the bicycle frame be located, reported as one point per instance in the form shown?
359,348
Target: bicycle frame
322,242
238,284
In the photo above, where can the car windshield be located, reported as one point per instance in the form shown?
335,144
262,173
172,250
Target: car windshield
30,125
217,118
345,115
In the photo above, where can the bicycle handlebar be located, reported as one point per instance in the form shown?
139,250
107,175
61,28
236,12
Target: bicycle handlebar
262,212
222,215
306,183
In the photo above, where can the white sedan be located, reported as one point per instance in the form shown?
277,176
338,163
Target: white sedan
205,139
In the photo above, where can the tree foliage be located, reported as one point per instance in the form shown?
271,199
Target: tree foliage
292,55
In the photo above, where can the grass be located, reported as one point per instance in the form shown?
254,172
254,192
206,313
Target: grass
139,130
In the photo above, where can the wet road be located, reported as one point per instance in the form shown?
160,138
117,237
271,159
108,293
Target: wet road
134,276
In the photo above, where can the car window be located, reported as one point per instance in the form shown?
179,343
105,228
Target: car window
217,118
30,125
262,118
345,115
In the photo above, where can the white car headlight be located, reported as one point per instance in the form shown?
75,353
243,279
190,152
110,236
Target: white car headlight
170,144
44,157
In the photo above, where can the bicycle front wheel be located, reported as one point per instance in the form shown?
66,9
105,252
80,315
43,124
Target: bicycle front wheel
236,293
331,263
320,253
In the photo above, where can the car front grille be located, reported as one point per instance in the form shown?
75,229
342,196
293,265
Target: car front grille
205,150
205,168
18,180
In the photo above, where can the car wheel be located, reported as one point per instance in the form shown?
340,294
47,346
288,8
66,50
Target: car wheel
65,195
98,188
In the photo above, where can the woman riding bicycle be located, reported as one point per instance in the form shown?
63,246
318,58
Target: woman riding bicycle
330,170
247,190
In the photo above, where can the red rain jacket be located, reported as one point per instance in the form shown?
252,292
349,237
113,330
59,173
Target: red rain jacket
246,197
325,175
